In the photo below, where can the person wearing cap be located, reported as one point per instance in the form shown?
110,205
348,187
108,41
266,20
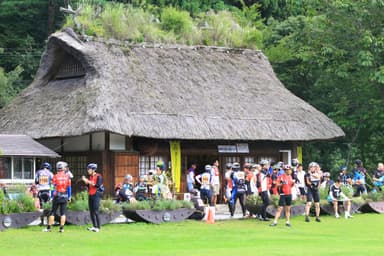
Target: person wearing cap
337,197
312,182
239,189
285,183
359,174
263,186
205,180
61,195
95,192
160,187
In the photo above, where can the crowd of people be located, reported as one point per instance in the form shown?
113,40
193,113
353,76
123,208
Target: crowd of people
288,182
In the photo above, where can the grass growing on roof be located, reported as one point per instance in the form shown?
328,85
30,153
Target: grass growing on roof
360,235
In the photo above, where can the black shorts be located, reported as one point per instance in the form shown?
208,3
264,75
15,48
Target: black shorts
313,195
302,191
285,200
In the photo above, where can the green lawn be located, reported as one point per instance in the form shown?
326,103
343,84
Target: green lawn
362,235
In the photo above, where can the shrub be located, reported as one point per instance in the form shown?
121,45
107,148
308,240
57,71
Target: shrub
158,205
176,21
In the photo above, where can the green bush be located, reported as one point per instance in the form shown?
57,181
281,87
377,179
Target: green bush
176,21
158,205
21,203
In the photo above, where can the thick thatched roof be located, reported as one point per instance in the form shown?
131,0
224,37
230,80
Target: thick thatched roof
22,145
168,92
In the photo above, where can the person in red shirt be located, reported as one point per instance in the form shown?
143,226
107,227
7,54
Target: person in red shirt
95,192
61,195
284,184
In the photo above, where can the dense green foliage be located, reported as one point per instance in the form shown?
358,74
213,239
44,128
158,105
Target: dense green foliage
360,235
21,203
330,53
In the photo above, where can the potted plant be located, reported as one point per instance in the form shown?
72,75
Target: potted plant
158,210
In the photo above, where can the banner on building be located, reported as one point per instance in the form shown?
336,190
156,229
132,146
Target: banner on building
176,163
300,154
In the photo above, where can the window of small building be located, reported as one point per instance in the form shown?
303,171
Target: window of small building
77,165
249,159
232,159
76,144
98,141
116,142
147,163
17,168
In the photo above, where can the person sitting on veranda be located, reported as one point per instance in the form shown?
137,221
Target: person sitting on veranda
337,198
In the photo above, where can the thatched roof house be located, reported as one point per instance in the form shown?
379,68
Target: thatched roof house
160,92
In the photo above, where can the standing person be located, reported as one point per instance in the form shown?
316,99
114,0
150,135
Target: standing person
284,184
239,189
273,180
215,173
43,182
263,183
95,192
312,181
205,180
61,195
337,197
191,177
67,171
160,188
228,185
300,181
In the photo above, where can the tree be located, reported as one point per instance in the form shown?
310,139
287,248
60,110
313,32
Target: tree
335,61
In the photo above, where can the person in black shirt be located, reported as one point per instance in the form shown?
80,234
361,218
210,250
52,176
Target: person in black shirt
312,181
344,176
337,197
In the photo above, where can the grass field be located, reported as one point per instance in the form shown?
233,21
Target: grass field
362,235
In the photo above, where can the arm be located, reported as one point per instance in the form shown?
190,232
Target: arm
198,178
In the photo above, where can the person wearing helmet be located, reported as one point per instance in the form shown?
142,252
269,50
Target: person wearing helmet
239,189
205,180
141,189
125,193
285,183
312,182
43,182
61,195
67,171
327,181
263,185
95,192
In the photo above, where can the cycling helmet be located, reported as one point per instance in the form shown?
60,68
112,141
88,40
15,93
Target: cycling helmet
326,174
46,165
128,177
208,168
343,168
228,165
287,167
236,167
92,166
295,162
60,165
358,162
264,162
160,164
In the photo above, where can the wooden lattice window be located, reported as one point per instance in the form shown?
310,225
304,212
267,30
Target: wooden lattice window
70,68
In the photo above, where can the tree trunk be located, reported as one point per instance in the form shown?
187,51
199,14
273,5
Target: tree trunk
51,16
